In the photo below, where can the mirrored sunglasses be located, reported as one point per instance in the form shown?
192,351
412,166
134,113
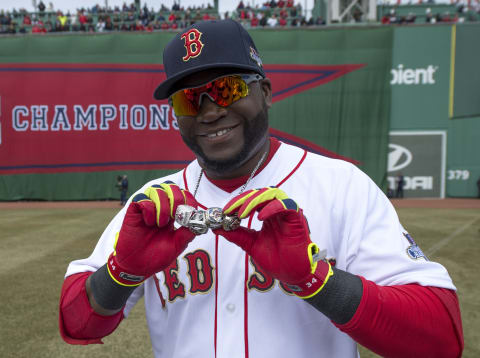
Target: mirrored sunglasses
223,91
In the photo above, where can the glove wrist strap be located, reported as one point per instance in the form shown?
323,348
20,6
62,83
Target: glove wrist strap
314,282
119,274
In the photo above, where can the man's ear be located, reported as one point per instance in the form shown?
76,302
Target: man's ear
266,88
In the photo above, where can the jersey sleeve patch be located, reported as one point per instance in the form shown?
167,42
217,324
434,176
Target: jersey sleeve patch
414,251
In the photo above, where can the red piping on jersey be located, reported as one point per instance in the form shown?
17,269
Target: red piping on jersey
245,304
245,296
216,295
157,285
294,169
246,259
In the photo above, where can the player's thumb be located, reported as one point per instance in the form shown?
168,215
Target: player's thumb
242,237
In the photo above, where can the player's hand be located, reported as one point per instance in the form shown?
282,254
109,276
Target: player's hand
282,248
148,242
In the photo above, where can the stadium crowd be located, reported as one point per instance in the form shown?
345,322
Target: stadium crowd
134,17
131,17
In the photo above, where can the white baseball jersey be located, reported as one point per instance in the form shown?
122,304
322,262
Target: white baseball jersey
214,302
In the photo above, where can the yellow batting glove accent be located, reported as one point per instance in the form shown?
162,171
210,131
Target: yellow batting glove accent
329,274
121,284
312,249
115,243
240,201
265,195
153,195
169,192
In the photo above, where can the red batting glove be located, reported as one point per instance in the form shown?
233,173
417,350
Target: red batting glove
282,248
148,242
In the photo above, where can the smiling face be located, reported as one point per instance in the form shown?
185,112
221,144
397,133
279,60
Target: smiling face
228,140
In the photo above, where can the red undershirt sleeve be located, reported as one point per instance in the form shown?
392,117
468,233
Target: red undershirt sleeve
407,321
78,322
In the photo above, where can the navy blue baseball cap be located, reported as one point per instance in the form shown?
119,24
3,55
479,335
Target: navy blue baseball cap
205,45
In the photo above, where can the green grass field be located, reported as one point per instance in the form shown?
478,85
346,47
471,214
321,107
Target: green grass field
37,245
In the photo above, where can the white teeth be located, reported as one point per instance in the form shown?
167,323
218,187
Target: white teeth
219,133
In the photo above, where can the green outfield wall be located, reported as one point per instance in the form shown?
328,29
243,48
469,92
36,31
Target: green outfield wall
436,89
77,110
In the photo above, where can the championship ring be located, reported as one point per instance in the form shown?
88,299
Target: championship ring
214,217
183,214
192,218
230,223
198,223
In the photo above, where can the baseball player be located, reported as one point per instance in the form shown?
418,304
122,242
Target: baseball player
307,256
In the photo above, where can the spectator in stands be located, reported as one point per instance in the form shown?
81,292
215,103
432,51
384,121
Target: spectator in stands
392,18
478,187
156,25
49,27
82,19
357,15
429,18
41,7
198,16
165,26
11,29
240,5
263,20
272,21
108,24
73,21
187,18
400,185
38,28
27,19
410,19
100,24
139,26
254,21
5,19
61,21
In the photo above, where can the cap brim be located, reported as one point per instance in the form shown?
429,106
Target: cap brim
169,86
